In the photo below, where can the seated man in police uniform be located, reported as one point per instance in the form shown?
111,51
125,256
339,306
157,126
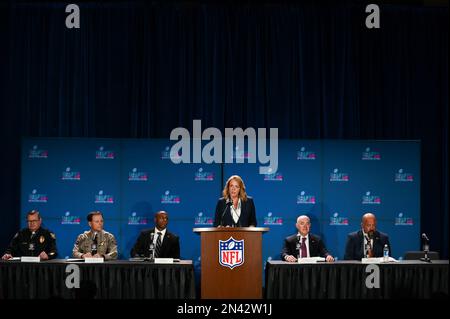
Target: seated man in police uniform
167,245
95,242
33,240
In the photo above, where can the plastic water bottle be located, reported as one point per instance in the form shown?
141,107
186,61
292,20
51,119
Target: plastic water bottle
151,257
385,253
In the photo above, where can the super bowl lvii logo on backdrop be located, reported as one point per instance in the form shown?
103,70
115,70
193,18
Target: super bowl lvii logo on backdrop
35,152
231,252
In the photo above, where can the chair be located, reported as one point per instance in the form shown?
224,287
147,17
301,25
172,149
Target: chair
416,255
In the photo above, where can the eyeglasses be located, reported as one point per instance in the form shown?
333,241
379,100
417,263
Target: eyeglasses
304,224
32,221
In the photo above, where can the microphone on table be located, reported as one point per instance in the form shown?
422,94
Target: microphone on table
426,248
94,245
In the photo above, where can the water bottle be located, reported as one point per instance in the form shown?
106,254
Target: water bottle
385,253
297,246
151,257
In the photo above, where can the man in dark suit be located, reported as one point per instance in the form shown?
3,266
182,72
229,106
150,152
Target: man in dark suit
235,208
367,242
309,245
167,245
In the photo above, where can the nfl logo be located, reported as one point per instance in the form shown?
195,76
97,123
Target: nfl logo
231,252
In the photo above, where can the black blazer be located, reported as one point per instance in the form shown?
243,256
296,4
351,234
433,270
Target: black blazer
354,249
170,247
247,218
316,247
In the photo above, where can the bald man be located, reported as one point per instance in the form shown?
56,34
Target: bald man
168,243
367,242
309,245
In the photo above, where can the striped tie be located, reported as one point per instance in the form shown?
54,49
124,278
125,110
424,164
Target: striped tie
158,245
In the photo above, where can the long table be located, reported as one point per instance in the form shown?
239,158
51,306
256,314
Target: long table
347,280
119,279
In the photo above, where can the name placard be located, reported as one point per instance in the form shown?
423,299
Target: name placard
94,260
29,259
377,260
163,260
310,260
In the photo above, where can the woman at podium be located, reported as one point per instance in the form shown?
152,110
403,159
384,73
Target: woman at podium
235,208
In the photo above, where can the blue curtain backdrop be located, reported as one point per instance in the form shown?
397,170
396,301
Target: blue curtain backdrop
314,71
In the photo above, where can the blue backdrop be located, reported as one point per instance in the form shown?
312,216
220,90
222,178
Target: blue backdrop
334,182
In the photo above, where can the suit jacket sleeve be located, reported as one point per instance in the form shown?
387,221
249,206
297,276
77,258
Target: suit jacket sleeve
286,251
219,211
349,248
323,252
252,213
13,246
176,247
138,248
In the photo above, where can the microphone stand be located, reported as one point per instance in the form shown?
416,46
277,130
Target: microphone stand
228,202
31,245
94,245
426,248
151,257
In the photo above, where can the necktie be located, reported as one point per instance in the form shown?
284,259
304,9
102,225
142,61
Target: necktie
94,245
303,248
158,245
369,248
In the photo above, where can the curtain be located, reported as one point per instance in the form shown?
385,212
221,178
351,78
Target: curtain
314,71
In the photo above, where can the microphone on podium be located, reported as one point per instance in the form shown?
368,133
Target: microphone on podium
227,204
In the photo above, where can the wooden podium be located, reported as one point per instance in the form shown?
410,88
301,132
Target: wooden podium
243,278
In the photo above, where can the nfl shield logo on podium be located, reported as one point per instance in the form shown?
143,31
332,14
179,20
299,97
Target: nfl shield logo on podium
231,252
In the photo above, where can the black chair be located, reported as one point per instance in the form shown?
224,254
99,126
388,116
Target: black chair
416,255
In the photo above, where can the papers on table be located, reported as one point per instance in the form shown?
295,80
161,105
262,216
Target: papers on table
378,260
156,260
310,260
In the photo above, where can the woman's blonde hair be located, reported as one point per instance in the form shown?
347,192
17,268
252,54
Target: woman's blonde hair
242,193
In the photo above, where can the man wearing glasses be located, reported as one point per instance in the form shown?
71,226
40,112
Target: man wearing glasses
33,240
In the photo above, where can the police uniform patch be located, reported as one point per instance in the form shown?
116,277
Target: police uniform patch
41,239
